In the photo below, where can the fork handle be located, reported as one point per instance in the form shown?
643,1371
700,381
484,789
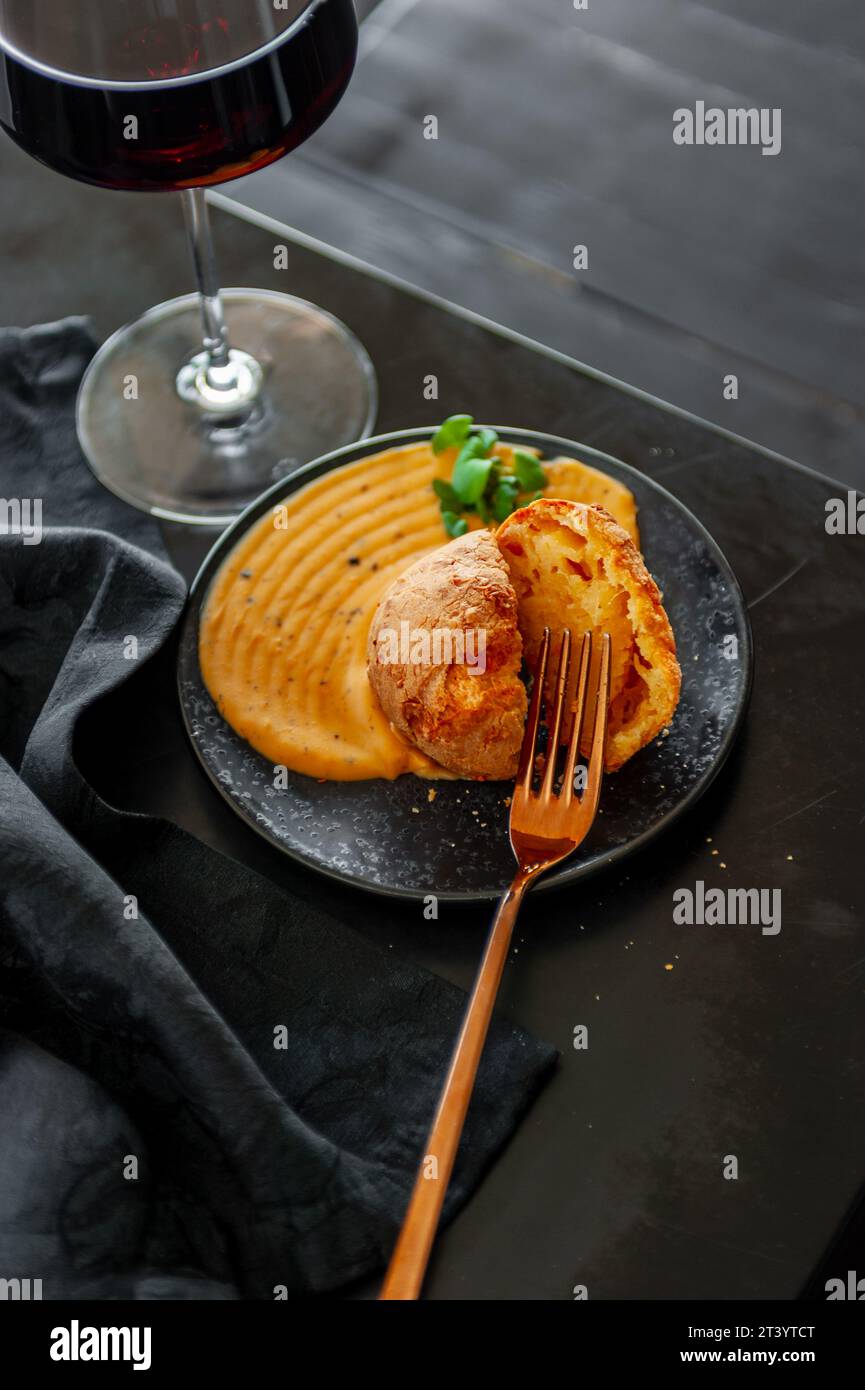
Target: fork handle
412,1251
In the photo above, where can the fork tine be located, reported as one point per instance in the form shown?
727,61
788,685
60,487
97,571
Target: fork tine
589,803
530,735
579,711
554,726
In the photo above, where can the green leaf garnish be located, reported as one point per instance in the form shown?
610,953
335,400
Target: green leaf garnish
470,476
473,448
529,471
446,495
454,431
454,525
487,438
505,498
481,482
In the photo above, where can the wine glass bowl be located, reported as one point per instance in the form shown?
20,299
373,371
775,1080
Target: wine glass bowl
195,408
162,95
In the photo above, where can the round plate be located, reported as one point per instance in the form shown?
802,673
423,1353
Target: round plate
387,836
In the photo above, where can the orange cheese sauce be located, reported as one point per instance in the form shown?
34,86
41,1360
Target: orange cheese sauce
283,634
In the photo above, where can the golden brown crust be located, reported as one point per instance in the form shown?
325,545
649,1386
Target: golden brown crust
553,563
587,484
470,720
573,566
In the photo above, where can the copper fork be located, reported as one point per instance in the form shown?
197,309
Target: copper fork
545,827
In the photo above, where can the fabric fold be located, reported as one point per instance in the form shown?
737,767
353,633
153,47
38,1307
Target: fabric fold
209,1087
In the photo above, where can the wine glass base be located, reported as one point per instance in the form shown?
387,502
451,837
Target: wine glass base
167,456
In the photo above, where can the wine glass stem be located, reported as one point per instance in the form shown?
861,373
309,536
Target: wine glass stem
204,258
221,378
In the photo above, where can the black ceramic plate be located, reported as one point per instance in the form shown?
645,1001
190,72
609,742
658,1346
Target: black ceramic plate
387,836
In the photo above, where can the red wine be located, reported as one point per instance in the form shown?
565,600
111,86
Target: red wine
170,94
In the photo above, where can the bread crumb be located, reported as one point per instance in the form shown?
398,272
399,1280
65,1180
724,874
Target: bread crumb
668,966
415,810
789,856
431,794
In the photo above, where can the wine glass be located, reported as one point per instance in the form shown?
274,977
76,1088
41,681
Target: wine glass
195,408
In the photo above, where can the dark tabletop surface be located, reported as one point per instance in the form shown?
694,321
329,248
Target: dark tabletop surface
751,1045
554,128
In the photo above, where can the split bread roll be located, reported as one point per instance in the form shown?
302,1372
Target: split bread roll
573,566
552,564
465,713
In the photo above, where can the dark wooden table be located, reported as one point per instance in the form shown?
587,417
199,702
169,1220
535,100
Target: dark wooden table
555,129
751,1045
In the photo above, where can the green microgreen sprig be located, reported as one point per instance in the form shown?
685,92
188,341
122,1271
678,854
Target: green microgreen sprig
480,481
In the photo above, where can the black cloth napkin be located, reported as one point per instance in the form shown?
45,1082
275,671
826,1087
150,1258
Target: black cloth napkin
208,1087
